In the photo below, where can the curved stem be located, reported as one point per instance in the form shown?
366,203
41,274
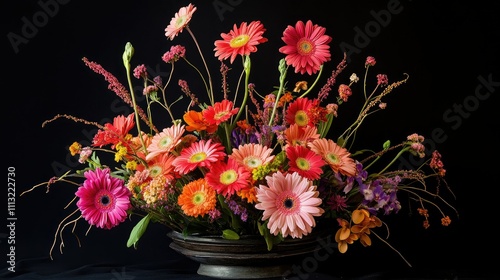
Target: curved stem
211,91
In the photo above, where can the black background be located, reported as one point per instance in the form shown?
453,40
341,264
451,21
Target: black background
443,46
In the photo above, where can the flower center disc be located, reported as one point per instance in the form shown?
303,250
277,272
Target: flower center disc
305,47
302,163
228,177
301,118
239,41
198,157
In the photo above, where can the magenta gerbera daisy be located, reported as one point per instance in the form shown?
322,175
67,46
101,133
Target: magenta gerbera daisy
165,141
252,155
240,41
180,21
104,199
199,154
305,162
228,178
290,202
337,157
306,47
220,112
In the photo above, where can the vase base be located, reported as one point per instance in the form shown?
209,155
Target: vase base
243,272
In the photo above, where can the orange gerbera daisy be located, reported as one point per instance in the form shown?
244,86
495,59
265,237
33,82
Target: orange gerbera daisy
306,47
298,112
197,198
196,122
337,157
180,21
240,41
220,112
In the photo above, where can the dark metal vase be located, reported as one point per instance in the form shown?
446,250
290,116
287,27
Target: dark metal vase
246,258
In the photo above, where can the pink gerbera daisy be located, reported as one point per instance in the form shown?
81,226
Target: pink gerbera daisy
228,178
240,41
305,162
220,112
296,135
306,47
298,112
180,21
199,154
337,157
165,141
252,155
290,202
104,199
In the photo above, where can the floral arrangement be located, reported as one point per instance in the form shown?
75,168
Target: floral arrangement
236,162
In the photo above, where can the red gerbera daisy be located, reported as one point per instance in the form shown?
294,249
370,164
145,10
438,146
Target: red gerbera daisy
220,112
114,133
228,178
306,47
305,162
298,112
240,41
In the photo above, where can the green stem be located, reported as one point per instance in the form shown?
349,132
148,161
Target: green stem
315,82
394,159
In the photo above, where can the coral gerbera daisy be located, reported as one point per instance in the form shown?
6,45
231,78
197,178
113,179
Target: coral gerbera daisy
305,162
337,157
104,199
252,155
197,198
290,202
220,112
240,41
162,165
228,178
165,141
296,135
306,47
298,112
199,154
180,21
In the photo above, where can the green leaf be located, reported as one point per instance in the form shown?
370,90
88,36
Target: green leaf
138,231
230,234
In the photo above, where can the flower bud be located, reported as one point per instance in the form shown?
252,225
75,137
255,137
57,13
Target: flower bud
127,54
